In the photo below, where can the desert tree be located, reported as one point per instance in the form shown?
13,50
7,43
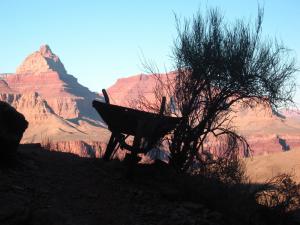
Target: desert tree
220,67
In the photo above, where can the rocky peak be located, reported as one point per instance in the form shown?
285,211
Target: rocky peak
46,51
41,61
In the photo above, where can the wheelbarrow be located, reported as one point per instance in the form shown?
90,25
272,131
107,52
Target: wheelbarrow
146,128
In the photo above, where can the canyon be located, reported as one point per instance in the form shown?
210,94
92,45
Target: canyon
60,113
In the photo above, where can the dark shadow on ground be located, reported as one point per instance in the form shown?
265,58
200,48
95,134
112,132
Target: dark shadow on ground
48,187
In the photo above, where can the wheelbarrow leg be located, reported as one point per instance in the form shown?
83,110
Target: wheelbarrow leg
132,159
110,147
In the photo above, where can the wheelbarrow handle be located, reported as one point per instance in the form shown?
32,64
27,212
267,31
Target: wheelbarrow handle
105,95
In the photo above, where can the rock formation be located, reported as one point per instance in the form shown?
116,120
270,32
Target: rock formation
56,105
41,61
43,72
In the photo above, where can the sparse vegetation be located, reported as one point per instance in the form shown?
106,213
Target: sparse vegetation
280,193
220,66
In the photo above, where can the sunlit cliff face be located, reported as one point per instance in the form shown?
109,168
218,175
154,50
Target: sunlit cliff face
56,106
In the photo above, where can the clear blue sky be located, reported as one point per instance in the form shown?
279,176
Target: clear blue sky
100,41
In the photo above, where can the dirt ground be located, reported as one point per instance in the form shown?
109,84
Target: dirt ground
53,188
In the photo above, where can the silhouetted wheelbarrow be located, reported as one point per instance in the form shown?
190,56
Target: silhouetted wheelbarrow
146,128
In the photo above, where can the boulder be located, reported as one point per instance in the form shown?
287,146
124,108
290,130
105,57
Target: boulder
12,126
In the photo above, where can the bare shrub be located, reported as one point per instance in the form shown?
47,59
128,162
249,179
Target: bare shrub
219,66
280,193
221,165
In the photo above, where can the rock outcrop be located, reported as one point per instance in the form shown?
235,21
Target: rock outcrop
12,126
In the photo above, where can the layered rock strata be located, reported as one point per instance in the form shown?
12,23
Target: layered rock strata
57,107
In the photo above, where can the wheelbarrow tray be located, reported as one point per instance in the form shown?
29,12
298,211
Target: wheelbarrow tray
126,120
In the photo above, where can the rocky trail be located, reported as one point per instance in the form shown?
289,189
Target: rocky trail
48,188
